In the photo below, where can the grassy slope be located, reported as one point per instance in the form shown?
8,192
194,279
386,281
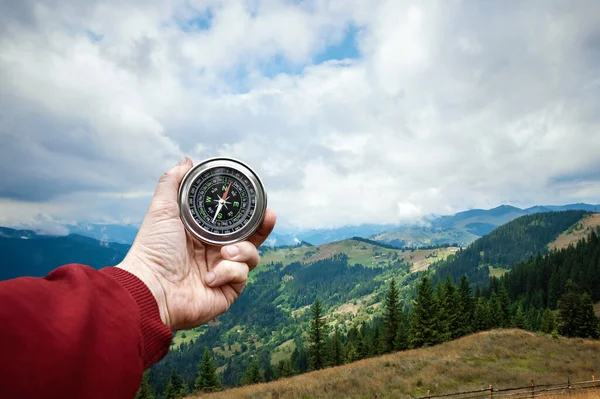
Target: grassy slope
504,358
366,254
577,232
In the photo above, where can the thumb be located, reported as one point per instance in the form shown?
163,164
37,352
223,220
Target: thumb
168,184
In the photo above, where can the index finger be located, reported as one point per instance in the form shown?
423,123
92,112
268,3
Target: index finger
265,229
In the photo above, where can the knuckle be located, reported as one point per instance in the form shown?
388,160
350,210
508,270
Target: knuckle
166,178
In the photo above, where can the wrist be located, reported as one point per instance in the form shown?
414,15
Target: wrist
135,265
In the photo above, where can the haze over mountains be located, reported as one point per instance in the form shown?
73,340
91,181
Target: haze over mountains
461,228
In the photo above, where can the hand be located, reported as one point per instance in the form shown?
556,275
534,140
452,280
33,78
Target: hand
192,282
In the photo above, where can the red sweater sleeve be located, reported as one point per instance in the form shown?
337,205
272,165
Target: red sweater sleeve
78,333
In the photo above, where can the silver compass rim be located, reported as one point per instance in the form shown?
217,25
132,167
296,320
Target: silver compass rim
221,239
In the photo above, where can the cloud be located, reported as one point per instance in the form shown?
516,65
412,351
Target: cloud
441,106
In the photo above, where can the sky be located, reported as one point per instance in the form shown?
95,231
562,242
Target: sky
351,111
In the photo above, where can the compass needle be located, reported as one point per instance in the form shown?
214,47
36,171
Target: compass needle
209,189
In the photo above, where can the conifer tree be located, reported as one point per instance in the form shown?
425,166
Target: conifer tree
337,355
504,306
424,326
547,324
391,317
586,319
300,361
176,388
481,316
467,306
496,315
401,338
519,320
362,347
569,306
284,368
145,391
208,380
449,311
253,374
316,349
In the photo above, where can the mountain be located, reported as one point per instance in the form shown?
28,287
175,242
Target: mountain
502,358
465,227
25,253
508,245
119,233
461,228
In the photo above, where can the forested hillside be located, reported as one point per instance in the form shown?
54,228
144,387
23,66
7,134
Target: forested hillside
271,318
25,253
436,315
509,244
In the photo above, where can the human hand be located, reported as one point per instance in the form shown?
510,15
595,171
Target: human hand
192,282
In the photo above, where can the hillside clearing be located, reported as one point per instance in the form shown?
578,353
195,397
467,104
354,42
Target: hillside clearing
576,232
504,358
358,252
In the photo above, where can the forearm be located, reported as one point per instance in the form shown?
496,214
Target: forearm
78,333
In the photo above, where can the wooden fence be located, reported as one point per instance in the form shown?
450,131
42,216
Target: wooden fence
530,391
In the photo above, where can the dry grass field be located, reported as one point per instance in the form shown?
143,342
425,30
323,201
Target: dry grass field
581,230
503,358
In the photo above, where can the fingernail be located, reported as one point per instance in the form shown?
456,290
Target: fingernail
232,250
210,277
183,161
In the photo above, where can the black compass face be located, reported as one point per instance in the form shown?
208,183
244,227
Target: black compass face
222,200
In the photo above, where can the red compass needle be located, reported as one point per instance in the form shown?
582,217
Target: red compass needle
226,192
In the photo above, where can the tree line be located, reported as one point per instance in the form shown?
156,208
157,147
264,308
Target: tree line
551,294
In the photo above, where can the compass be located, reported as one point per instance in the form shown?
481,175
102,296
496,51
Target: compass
222,201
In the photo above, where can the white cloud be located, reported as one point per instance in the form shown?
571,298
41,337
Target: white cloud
451,105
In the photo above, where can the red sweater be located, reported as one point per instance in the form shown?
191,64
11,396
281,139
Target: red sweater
78,333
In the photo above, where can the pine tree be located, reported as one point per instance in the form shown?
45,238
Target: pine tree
145,391
300,361
569,306
449,310
316,349
253,374
208,380
176,388
466,305
401,339
337,356
284,368
481,316
496,315
504,306
391,317
424,326
547,325
519,320
586,319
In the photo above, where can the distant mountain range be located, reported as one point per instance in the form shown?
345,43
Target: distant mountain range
25,253
461,228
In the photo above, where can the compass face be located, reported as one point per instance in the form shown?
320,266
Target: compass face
222,201
224,190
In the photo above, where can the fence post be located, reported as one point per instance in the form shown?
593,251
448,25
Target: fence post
428,394
491,391
533,388
569,381
594,381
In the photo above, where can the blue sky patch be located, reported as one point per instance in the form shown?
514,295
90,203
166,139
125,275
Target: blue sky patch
345,49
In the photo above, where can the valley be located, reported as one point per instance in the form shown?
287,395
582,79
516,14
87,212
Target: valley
270,323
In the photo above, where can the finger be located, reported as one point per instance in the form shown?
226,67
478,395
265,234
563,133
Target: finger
227,272
265,229
168,184
242,252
